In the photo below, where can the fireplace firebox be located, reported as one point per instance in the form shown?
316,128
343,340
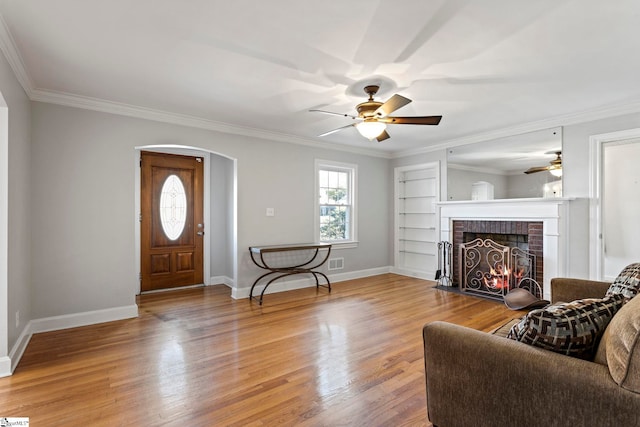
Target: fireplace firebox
491,270
492,257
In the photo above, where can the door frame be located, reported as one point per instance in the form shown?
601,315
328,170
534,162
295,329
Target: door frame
596,147
189,151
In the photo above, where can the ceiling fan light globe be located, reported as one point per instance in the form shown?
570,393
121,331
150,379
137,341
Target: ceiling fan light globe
371,129
556,172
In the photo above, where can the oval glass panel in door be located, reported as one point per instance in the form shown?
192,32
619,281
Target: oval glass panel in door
173,207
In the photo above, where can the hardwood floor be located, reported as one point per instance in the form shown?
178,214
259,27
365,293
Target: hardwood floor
196,357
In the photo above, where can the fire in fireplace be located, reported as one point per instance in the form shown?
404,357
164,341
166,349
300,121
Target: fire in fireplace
523,238
492,270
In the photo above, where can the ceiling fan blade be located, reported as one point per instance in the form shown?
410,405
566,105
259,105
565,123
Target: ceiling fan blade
384,135
420,120
392,104
338,129
537,169
334,114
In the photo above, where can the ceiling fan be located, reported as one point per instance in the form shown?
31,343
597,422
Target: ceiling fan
555,165
373,116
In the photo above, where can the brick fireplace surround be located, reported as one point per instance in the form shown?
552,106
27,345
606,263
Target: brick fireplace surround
531,229
553,213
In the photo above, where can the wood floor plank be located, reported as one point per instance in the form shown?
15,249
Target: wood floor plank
196,357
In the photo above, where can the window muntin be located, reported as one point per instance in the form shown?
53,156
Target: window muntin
173,207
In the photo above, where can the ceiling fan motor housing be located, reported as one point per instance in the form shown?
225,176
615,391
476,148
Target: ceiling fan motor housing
367,109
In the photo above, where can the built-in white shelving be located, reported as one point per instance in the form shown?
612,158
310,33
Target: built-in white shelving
416,218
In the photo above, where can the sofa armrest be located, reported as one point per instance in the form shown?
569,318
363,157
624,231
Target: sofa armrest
474,378
564,289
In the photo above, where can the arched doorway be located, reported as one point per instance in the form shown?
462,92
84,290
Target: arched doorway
220,212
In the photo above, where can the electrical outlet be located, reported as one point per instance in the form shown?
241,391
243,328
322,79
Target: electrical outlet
17,318
271,211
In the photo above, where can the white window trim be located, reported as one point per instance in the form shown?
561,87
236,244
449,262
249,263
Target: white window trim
353,170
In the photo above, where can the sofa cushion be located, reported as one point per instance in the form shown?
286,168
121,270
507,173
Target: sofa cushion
627,283
623,346
503,331
572,328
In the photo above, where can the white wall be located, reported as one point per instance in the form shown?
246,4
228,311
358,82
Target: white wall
15,236
576,180
83,203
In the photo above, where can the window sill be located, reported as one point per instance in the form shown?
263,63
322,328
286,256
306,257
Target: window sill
343,245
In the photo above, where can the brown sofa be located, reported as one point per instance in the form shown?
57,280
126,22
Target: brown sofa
480,379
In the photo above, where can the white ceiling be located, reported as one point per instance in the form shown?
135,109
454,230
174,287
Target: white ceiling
490,68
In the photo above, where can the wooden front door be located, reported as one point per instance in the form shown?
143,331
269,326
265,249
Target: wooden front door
171,222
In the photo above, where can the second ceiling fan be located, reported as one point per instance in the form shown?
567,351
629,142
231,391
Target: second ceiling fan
373,116
554,167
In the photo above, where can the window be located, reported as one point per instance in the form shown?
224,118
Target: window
173,207
336,207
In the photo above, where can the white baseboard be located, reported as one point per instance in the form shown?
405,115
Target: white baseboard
8,364
221,280
20,346
5,366
283,285
426,275
66,321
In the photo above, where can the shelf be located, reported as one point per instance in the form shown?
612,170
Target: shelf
416,197
416,213
416,228
415,179
416,253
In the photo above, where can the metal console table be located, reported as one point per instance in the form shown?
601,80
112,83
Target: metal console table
309,256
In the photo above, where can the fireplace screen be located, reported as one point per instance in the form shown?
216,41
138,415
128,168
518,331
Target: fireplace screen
489,269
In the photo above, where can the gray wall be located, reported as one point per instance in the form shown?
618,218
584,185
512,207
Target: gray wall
83,197
220,230
15,282
525,186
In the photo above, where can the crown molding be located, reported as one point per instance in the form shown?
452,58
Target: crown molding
11,53
95,104
564,120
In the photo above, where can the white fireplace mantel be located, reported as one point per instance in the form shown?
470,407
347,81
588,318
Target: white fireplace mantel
554,213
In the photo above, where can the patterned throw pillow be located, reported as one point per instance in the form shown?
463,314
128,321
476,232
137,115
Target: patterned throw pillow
627,283
572,328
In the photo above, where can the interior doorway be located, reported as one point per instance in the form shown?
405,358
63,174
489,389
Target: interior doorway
220,263
616,202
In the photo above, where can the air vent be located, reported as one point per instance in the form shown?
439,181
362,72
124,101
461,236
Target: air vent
336,263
